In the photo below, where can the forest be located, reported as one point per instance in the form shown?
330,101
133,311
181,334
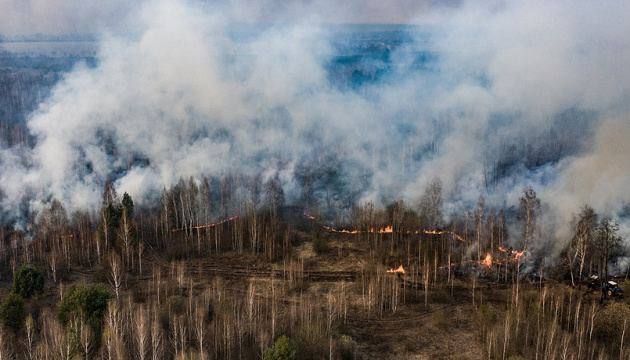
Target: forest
277,180
223,268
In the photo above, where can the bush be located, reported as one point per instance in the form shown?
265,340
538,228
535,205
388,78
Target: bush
12,311
283,349
347,347
86,302
28,281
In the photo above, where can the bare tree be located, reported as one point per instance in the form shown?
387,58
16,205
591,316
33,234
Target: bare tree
582,241
142,328
479,221
29,341
116,273
156,337
114,331
607,242
125,234
274,193
430,207
529,211
61,344
53,264
85,337
200,327
140,253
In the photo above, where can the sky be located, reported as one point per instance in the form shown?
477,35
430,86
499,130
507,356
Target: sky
60,17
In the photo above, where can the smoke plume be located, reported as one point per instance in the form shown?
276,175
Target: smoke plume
510,94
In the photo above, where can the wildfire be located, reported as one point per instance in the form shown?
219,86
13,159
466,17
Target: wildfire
398,270
515,254
210,225
386,230
389,229
340,231
344,231
441,232
487,262
310,217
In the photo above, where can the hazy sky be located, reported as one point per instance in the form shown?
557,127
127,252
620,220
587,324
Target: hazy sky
25,17
54,17
335,11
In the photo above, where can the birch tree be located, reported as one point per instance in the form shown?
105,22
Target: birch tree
529,211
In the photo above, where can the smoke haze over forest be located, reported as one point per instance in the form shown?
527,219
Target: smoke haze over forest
314,179
488,97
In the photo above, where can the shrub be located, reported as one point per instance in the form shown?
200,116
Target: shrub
28,281
12,311
346,347
283,349
86,302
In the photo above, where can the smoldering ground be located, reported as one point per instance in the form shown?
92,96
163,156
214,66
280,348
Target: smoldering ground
487,97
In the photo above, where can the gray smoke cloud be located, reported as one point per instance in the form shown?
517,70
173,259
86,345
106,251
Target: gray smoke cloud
599,177
20,18
179,96
24,18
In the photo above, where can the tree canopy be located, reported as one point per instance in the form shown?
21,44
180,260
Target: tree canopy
28,281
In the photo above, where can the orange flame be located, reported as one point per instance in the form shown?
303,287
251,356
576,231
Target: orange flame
399,270
515,254
210,225
440,232
340,231
487,262
386,230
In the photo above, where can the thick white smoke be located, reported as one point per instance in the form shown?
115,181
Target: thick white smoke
26,18
179,96
599,178
532,60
